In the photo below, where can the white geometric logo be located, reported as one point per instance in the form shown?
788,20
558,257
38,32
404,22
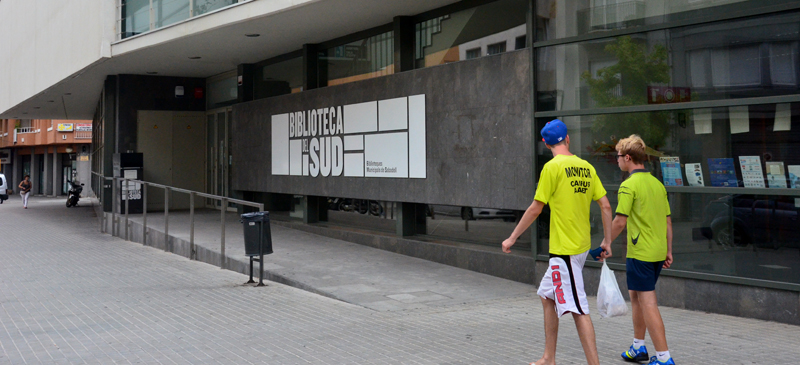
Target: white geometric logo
384,138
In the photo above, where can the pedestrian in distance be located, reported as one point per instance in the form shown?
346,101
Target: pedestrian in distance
568,184
644,209
25,187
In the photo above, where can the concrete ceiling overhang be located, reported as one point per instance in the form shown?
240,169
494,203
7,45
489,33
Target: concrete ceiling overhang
221,48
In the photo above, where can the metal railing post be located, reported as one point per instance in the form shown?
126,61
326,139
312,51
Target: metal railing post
127,206
222,238
102,211
144,214
192,255
151,15
166,218
114,206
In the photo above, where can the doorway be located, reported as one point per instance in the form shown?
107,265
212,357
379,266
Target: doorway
218,157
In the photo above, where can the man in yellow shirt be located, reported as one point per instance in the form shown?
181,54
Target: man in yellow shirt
643,207
568,185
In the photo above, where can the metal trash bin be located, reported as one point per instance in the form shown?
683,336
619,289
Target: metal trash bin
257,241
257,237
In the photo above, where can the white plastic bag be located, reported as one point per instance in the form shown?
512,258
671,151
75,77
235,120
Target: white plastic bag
610,302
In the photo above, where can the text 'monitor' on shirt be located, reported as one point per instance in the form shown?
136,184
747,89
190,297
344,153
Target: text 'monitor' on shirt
569,184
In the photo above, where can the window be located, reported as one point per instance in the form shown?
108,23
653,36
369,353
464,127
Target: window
556,19
135,17
135,14
360,60
736,66
455,36
520,42
223,90
783,63
485,226
715,227
496,48
717,61
168,12
285,77
473,53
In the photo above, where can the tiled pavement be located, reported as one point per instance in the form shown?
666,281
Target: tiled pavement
69,294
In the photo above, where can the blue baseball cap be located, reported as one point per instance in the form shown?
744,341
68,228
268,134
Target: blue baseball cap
554,132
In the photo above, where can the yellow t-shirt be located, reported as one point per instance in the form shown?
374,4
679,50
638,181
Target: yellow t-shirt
643,199
569,184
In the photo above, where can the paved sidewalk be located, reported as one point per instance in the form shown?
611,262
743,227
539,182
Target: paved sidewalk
69,294
372,278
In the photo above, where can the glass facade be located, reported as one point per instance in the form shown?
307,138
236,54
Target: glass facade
207,6
714,232
285,77
474,225
488,29
747,58
360,60
222,92
135,15
369,215
557,19
718,105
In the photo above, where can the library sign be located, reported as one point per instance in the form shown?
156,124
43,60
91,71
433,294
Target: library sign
383,138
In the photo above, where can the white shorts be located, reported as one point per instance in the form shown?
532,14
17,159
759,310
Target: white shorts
563,283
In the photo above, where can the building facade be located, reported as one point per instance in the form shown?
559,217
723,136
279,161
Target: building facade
53,152
414,126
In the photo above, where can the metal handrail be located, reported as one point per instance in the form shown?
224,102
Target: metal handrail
167,189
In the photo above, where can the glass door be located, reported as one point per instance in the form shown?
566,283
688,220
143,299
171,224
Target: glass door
218,157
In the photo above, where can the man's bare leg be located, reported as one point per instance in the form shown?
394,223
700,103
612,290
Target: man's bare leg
652,319
586,332
550,332
637,315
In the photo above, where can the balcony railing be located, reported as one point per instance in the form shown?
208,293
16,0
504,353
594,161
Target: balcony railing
24,130
140,16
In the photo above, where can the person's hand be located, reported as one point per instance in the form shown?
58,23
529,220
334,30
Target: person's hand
668,261
606,246
508,243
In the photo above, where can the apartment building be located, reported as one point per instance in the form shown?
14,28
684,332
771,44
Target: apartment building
51,151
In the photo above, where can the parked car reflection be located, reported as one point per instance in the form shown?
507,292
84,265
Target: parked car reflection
765,221
474,213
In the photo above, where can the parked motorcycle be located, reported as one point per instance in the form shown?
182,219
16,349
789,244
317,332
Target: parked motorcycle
74,194
362,206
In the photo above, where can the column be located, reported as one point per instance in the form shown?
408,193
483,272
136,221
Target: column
56,185
245,83
16,171
311,71
404,37
411,219
315,209
34,172
45,173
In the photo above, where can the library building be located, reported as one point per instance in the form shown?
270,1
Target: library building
414,126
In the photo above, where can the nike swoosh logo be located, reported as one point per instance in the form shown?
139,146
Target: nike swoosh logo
634,240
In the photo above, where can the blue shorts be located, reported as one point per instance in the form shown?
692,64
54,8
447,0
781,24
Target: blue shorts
643,275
